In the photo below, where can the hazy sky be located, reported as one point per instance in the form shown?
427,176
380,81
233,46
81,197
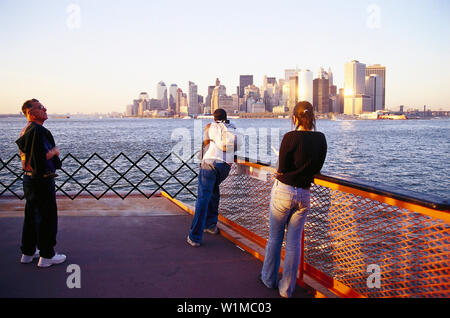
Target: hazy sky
98,55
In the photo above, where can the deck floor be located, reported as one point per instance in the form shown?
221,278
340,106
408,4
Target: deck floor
132,248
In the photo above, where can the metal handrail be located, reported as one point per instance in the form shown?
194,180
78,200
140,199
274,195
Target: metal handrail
369,223
15,176
409,196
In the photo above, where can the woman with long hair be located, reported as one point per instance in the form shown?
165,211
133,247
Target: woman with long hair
302,155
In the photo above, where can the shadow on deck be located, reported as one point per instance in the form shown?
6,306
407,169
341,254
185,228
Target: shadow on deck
132,248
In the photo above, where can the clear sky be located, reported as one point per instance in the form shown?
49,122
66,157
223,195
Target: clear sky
97,55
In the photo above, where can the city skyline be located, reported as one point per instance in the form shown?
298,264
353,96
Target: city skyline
96,57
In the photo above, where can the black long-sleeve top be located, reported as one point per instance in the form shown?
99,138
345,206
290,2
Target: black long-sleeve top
302,155
34,143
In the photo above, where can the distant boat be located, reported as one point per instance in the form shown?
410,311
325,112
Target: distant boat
60,117
393,117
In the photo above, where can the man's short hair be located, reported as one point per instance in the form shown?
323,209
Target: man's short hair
28,105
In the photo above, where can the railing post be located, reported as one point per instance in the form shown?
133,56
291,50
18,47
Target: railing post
302,257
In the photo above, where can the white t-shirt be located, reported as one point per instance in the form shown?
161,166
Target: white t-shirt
218,133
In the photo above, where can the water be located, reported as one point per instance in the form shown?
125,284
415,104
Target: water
411,155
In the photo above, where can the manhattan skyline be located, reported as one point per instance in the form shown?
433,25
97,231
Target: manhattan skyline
86,56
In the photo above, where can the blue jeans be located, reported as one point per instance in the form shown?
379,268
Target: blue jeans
289,207
212,173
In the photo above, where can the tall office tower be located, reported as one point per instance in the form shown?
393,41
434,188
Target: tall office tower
143,95
271,80
293,92
305,86
333,88
244,81
355,105
354,86
322,74
330,77
341,101
355,78
156,104
321,97
380,71
160,89
172,96
161,94
178,101
251,92
290,73
284,94
374,88
236,102
270,93
193,99
142,107
226,103
208,98
129,110
219,90
143,103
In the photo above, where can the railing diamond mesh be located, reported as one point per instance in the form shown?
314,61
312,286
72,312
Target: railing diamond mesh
346,233
121,175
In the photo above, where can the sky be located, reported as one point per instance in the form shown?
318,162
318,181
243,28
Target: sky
91,56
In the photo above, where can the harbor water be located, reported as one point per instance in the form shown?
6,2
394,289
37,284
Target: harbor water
411,155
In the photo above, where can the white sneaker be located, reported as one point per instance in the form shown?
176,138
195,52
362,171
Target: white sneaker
191,242
57,259
26,259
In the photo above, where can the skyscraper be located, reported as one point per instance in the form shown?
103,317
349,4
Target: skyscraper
161,94
208,97
330,77
293,92
160,89
355,88
193,99
270,92
374,88
219,90
289,73
178,101
143,102
355,78
305,86
172,96
321,97
380,71
244,81
341,101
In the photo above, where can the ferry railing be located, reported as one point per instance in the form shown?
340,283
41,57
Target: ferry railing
121,176
360,240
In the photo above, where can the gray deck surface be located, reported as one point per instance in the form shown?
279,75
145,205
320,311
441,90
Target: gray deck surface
134,248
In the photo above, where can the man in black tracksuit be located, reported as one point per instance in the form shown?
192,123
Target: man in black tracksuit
40,159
